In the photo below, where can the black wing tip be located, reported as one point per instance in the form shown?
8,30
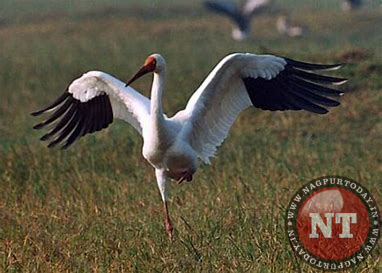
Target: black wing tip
59,100
51,145
313,66
36,113
65,147
38,126
54,144
45,137
79,120
315,77
299,87
335,104
341,81
321,112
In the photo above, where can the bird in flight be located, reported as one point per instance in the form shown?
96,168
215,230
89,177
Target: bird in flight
175,146
240,15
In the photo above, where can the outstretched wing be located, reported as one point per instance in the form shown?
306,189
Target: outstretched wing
90,104
263,81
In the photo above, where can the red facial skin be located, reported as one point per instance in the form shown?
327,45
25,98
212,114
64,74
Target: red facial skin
148,66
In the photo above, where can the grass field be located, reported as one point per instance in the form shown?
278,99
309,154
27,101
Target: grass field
96,207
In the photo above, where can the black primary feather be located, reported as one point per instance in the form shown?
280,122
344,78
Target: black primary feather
73,119
51,106
295,88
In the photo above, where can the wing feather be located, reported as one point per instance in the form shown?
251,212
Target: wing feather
58,113
67,129
76,133
53,105
90,104
264,81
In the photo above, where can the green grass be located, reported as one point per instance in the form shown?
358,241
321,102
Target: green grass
96,207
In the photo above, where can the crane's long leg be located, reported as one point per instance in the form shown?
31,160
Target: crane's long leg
162,185
167,221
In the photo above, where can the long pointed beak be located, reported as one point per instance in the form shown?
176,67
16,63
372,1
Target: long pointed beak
144,70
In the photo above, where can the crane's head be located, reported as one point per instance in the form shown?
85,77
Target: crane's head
153,63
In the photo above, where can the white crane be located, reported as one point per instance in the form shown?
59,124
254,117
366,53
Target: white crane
240,15
175,146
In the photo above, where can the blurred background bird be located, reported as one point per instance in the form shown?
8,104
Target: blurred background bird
241,15
348,5
285,27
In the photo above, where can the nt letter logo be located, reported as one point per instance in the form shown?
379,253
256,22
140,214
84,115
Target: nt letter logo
327,229
332,223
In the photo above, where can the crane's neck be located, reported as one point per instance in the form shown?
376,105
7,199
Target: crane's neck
156,108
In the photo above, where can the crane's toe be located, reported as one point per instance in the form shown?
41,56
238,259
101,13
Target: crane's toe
185,176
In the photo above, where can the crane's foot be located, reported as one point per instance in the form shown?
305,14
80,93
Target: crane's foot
186,176
169,228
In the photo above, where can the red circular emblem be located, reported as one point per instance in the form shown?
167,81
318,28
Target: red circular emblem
333,223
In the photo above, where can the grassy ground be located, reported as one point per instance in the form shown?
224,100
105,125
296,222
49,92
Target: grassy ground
96,207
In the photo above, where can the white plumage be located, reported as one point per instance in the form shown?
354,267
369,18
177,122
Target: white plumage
175,146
